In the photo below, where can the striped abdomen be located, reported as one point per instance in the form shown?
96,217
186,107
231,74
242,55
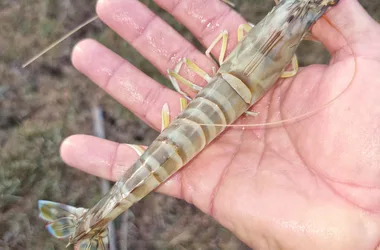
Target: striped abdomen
218,103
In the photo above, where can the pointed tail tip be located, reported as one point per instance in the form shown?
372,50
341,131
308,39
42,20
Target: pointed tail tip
100,242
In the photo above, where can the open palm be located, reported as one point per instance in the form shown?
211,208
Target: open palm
312,184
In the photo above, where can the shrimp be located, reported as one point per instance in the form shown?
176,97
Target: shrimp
250,70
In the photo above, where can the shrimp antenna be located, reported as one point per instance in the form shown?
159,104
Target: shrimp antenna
286,121
92,19
60,40
229,3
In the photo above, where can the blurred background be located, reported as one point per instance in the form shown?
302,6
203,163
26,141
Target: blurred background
49,100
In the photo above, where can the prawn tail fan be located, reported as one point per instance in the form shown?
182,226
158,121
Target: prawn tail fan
61,219
61,223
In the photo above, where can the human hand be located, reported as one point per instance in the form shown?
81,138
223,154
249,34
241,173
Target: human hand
307,185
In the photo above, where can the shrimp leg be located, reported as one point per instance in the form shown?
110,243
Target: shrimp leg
293,71
229,3
175,77
165,115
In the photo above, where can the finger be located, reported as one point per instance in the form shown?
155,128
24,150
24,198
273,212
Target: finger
132,88
346,27
106,159
97,156
151,36
206,19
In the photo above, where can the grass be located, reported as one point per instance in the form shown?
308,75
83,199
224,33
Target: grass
48,101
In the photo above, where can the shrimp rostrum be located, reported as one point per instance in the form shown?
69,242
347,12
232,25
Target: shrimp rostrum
250,70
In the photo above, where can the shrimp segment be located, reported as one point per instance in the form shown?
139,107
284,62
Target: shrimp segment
250,70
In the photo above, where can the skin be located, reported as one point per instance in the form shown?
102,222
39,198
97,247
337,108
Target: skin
311,184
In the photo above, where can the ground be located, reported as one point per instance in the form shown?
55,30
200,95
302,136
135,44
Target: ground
49,100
